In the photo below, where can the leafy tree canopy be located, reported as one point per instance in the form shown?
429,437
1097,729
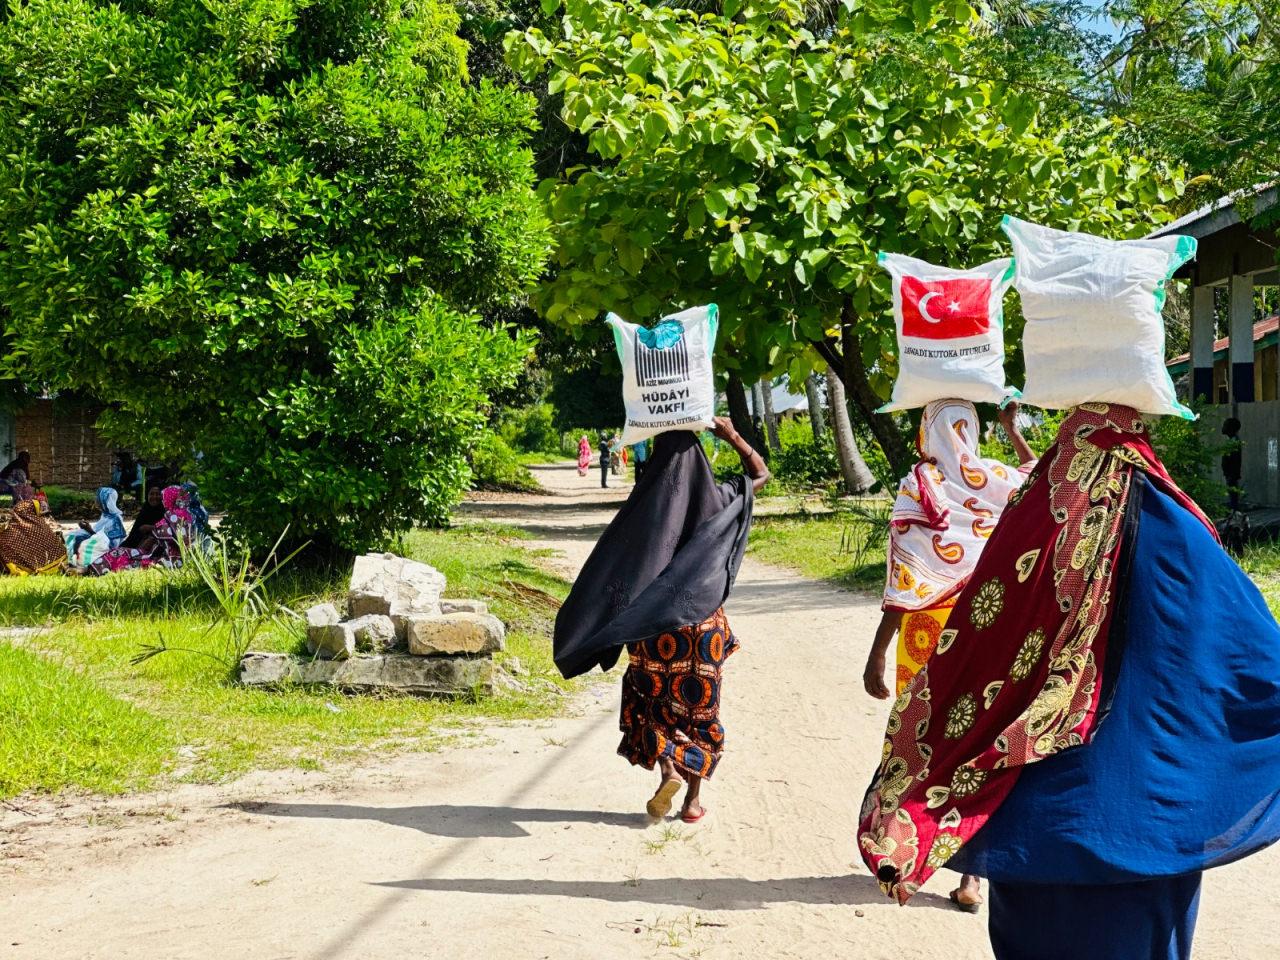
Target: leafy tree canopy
744,158
259,231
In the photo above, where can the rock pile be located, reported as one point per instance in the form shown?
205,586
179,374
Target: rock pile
400,634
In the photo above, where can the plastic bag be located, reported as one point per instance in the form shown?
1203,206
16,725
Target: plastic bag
950,326
1092,306
667,379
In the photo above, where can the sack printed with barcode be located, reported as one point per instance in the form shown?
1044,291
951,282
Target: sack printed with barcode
667,381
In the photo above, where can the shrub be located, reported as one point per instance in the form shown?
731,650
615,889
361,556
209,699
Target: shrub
531,429
261,233
495,466
1040,434
1191,454
70,505
806,462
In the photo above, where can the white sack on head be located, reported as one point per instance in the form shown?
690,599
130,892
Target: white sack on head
950,326
1092,306
667,379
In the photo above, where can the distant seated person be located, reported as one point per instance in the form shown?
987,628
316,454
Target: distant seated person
15,478
93,540
183,524
29,542
151,513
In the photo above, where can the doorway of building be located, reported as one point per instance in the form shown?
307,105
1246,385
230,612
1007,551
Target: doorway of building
7,441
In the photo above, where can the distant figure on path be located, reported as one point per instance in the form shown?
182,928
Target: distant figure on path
604,460
656,584
1232,461
947,508
1101,720
584,455
641,453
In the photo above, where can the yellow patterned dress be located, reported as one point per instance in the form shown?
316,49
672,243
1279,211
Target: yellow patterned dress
917,638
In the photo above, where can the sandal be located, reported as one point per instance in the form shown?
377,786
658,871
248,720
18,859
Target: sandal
660,804
694,817
966,907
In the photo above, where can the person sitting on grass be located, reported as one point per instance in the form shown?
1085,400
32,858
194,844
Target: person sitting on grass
16,476
29,544
105,533
151,513
180,527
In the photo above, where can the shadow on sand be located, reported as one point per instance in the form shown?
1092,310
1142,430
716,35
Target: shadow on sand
444,820
702,893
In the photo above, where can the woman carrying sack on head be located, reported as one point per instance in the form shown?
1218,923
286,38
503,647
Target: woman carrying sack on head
946,509
656,584
1100,721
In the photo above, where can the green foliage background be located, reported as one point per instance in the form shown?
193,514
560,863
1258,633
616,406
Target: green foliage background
262,232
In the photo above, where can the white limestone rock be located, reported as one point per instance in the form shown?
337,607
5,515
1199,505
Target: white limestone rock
322,615
331,641
456,634
390,673
463,606
391,586
374,632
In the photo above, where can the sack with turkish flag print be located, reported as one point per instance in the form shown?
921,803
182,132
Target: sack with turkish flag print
950,327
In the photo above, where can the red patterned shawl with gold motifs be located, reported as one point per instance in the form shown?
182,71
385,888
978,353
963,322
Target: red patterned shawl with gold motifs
1016,676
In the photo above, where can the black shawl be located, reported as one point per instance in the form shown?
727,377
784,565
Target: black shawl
667,560
147,515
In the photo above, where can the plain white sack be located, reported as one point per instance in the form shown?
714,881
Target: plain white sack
950,326
667,379
1093,326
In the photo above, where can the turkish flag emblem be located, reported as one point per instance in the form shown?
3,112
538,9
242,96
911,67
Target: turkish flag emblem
945,309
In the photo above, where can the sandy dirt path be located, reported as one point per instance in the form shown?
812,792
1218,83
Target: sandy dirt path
534,843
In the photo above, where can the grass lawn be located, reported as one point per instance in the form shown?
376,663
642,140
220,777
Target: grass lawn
841,547
75,712
1261,562
845,550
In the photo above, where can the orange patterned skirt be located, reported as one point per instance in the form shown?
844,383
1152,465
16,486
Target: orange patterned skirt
671,697
917,638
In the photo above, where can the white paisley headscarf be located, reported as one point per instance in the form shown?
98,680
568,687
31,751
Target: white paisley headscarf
946,509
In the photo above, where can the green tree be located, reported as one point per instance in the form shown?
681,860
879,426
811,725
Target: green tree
745,159
1198,82
261,231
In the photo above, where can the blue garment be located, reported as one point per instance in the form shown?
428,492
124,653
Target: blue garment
640,451
1153,920
112,520
1183,773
